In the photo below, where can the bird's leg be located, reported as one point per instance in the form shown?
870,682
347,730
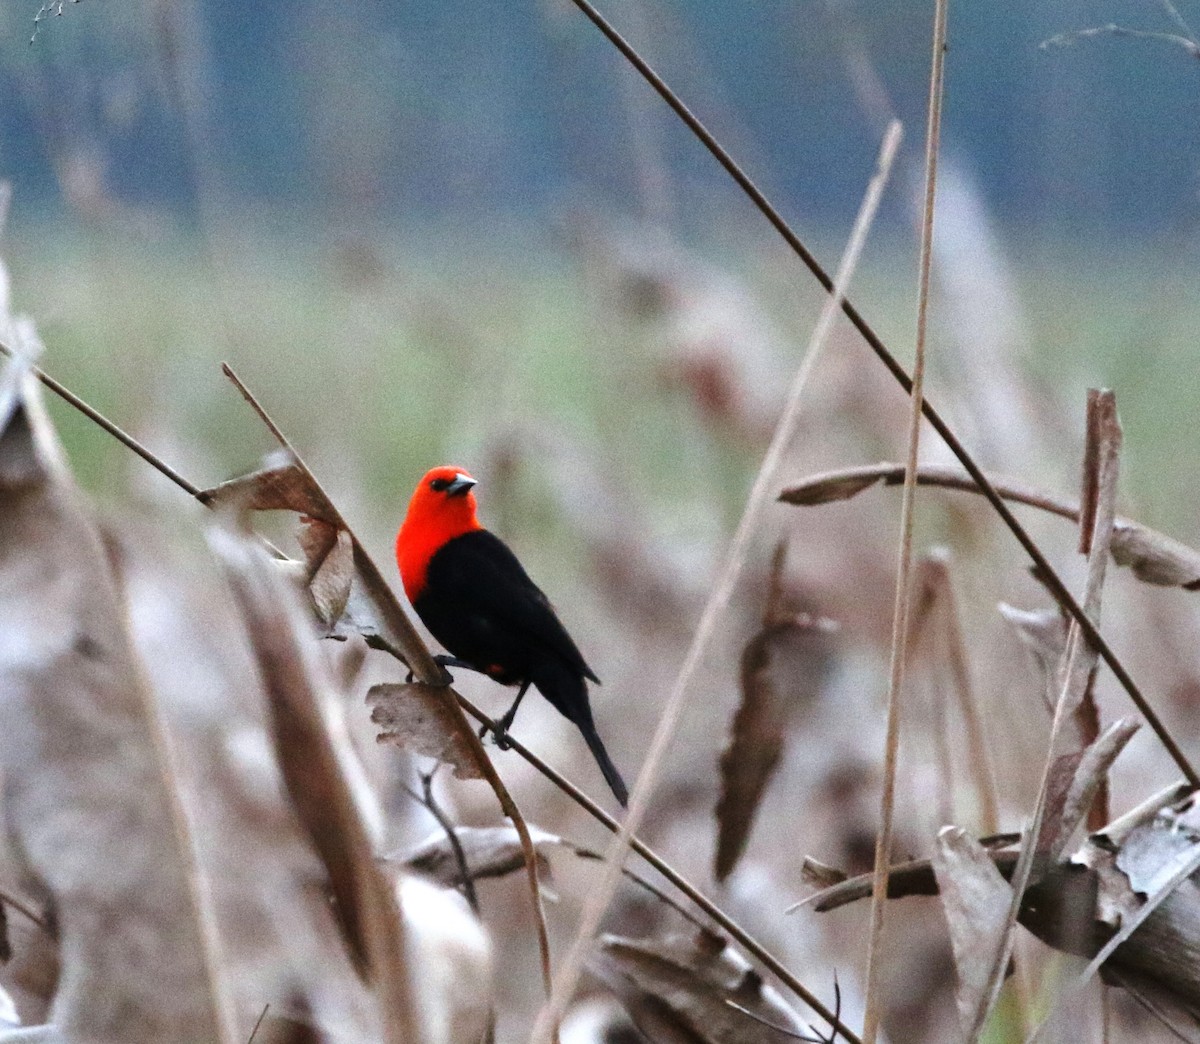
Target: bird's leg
505,723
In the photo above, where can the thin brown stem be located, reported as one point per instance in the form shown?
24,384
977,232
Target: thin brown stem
122,436
258,1023
431,805
1052,580
902,606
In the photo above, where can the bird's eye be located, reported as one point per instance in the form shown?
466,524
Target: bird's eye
440,485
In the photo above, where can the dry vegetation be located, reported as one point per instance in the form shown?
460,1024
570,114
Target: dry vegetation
242,801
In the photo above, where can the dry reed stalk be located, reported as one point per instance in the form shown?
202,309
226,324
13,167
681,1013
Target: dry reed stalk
599,900
1080,661
903,599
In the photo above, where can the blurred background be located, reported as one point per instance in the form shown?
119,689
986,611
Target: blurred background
433,232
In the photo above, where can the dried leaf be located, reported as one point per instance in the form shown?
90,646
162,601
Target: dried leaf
488,852
677,991
417,717
88,799
829,487
1088,778
914,877
749,760
1044,633
1157,938
319,768
280,485
1154,557
1152,853
759,726
975,899
821,875
332,574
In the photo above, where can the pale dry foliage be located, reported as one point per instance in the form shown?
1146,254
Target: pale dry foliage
212,829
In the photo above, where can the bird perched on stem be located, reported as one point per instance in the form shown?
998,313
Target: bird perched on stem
476,599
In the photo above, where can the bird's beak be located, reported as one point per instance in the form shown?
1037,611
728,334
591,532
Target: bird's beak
460,485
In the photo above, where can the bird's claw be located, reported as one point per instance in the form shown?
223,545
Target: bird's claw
500,731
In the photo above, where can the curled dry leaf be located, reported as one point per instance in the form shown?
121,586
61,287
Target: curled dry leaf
681,990
829,487
488,852
329,552
975,898
1044,634
416,717
820,875
1072,802
1153,557
1145,940
88,798
755,746
282,484
1098,898
756,735
279,485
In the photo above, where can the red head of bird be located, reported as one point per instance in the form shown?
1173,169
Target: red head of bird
442,507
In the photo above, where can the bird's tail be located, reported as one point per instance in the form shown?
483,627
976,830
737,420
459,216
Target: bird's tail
567,691
611,776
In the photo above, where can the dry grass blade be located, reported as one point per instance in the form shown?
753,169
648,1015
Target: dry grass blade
689,989
89,800
975,899
433,699
1073,793
1104,431
1154,557
756,735
572,965
317,767
903,594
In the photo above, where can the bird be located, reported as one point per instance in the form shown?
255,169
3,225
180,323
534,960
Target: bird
474,596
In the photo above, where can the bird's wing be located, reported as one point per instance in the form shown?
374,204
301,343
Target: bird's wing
492,580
